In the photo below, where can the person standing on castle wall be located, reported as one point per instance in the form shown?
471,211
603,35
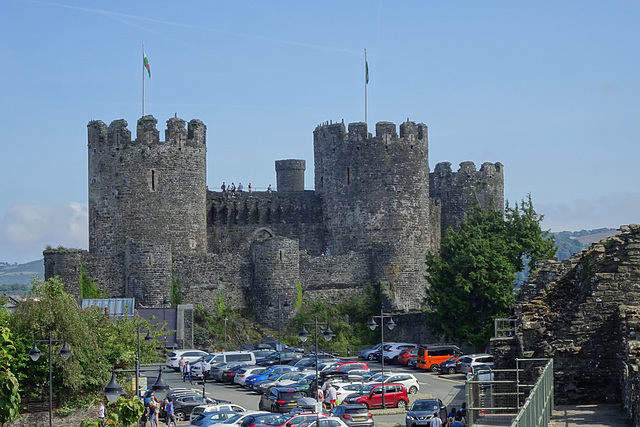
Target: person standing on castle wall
223,187
250,190
326,251
233,187
240,187
269,189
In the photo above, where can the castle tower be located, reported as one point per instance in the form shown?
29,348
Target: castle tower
147,191
375,191
457,191
290,175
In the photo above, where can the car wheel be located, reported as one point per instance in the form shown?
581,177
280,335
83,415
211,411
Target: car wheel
303,393
180,416
452,370
402,404
434,368
370,356
413,389
394,361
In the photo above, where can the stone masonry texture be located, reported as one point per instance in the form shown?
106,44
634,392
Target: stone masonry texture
376,207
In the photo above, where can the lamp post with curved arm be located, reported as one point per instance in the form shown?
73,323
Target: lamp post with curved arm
327,334
373,325
64,353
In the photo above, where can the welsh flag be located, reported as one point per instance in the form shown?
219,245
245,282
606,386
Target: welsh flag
146,63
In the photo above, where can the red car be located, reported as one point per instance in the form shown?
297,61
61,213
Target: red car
395,396
406,355
293,419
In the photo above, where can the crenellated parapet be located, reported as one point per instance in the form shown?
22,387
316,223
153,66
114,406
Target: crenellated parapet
456,192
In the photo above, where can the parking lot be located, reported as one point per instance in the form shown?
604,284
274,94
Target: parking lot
449,388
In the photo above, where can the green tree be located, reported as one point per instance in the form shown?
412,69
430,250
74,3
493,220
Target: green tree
9,386
471,279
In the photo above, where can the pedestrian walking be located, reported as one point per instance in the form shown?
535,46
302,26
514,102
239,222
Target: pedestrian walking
171,414
187,372
435,420
101,414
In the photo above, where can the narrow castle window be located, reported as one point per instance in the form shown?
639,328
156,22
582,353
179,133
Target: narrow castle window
280,255
348,176
152,179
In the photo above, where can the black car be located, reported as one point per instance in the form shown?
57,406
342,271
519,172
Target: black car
229,373
450,366
280,399
353,415
279,358
421,412
183,404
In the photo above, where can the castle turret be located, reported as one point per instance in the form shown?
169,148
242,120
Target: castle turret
290,175
456,192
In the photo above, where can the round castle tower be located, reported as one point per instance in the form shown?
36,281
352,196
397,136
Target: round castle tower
375,197
147,191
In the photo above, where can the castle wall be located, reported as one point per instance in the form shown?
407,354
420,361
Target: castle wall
456,192
574,319
290,175
147,272
233,221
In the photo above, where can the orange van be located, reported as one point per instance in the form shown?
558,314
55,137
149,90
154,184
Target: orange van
430,357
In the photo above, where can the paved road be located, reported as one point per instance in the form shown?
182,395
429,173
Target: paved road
449,388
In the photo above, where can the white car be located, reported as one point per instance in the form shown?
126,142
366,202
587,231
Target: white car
236,421
409,381
203,409
242,375
191,355
344,389
474,359
392,351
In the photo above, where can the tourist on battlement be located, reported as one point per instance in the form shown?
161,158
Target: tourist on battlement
240,187
250,190
269,189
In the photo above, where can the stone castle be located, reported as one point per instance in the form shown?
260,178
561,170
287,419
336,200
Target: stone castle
376,206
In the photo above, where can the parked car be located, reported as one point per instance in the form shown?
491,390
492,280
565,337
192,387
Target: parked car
246,372
450,366
474,359
339,368
395,396
392,351
430,357
353,415
279,358
264,374
236,420
293,419
480,373
185,403
367,354
191,355
407,354
210,418
409,381
254,420
282,379
306,387
223,407
280,346
344,389
326,422
422,410
280,399
229,374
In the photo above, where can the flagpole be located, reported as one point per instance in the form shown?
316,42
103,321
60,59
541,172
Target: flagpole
366,85
143,79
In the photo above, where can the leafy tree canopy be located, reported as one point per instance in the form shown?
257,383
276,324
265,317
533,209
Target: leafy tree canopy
472,278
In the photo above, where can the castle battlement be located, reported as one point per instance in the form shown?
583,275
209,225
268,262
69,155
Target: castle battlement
358,132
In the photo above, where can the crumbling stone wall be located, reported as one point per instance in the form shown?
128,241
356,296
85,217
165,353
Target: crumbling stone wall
629,318
573,317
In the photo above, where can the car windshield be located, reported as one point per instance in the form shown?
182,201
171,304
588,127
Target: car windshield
425,405
366,389
233,419
280,420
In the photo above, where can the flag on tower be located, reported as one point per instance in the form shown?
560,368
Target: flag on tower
366,68
146,63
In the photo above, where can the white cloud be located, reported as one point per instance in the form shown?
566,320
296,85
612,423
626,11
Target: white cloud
26,229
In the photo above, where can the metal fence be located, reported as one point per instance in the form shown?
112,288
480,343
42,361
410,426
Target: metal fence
504,327
499,397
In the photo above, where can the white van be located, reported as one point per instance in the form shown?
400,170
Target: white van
244,357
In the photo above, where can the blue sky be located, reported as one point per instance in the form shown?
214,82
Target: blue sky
549,88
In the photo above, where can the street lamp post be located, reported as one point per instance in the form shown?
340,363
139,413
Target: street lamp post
65,353
113,390
279,307
225,334
304,335
373,325
148,338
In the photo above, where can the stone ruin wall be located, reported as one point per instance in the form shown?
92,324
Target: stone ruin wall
573,311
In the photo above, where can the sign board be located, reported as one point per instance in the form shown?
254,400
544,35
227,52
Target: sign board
279,347
142,383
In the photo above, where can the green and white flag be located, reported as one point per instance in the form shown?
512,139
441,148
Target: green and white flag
146,63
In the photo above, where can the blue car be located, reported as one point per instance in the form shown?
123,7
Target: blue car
276,369
211,418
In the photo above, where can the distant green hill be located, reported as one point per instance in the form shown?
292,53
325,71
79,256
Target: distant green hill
16,279
571,242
